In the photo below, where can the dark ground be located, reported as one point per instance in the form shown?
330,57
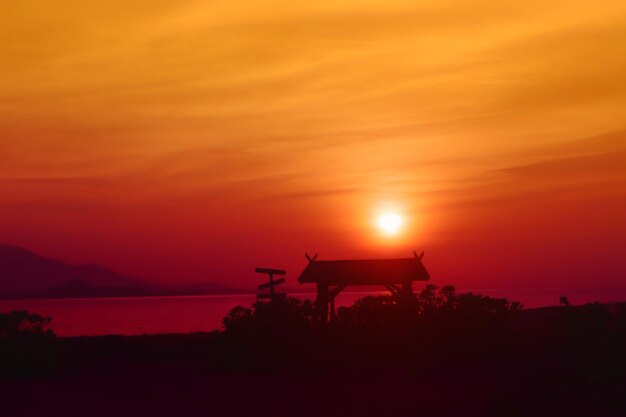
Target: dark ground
548,362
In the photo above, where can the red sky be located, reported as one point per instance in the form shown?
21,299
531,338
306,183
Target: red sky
191,140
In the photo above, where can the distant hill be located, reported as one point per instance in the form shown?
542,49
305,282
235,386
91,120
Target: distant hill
26,274
81,289
24,271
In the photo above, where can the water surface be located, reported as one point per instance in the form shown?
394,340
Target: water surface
148,315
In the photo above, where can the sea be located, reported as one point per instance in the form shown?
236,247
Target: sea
187,314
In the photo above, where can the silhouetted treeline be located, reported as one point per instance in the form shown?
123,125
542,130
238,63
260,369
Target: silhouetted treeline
489,356
549,361
376,329
433,325
22,324
26,343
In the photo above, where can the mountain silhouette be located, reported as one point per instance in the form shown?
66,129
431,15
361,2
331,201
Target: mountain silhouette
24,273
78,288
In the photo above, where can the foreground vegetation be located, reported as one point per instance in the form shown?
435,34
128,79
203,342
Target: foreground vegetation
489,355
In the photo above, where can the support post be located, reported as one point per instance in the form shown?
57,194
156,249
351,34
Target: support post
322,302
407,287
334,293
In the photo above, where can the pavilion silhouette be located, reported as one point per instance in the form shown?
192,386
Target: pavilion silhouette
333,276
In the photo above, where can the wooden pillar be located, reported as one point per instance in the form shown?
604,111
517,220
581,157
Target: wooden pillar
322,302
407,287
334,293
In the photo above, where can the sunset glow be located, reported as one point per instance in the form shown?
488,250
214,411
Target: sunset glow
191,140
325,208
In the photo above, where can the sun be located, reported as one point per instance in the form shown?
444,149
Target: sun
390,223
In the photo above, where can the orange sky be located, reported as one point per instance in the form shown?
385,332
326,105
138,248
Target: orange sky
182,140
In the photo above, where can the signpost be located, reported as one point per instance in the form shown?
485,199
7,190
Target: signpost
271,284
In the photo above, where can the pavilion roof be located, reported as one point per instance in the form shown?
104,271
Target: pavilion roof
364,272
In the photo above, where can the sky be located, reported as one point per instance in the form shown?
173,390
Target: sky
195,140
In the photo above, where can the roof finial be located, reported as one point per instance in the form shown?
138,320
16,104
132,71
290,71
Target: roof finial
309,258
420,256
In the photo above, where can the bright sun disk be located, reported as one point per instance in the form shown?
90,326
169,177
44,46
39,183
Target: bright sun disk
390,223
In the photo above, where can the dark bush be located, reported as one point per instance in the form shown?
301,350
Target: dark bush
430,303
268,334
22,324
26,344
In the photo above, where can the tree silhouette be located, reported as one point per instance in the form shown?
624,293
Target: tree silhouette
26,344
21,323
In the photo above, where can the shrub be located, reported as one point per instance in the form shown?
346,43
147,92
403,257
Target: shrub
22,324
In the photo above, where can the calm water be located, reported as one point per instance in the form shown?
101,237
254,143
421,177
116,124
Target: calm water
142,315
145,315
